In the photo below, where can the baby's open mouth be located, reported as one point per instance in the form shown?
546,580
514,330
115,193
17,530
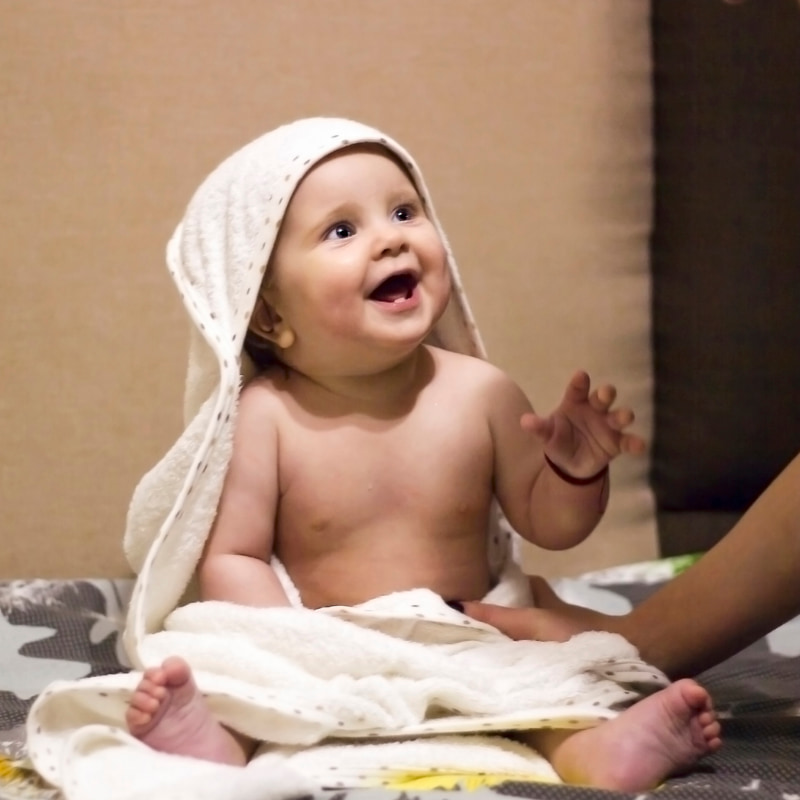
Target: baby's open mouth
395,288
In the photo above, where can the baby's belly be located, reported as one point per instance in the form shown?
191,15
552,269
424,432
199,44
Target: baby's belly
362,568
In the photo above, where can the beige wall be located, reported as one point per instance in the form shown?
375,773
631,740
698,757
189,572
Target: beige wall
529,118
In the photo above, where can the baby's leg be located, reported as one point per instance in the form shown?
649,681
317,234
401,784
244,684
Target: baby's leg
168,713
662,735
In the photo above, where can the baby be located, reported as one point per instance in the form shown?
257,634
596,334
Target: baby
360,443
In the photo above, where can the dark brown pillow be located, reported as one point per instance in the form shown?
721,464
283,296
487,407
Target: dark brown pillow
726,252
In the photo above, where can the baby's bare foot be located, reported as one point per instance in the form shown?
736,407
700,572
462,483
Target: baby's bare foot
662,735
168,713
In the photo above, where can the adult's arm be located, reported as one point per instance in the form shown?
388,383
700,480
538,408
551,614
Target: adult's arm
744,587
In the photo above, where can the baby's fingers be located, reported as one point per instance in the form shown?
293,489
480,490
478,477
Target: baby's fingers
632,444
539,426
620,418
602,398
577,390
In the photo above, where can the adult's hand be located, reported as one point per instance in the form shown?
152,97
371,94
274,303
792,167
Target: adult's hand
551,619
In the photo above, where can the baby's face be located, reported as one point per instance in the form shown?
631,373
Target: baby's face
359,272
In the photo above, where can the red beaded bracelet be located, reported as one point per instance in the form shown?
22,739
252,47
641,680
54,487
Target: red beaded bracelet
565,476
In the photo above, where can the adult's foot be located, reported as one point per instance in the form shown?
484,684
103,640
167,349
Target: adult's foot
168,713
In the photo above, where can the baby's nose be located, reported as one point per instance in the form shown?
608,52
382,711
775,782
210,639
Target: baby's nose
390,239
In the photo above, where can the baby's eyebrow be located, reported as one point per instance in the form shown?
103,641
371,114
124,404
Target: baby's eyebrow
407,197
342,212
343,209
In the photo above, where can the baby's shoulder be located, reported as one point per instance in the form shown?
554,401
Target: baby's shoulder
468,371
264,393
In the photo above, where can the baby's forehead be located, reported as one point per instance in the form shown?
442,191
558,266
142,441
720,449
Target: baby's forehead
331,180
369,148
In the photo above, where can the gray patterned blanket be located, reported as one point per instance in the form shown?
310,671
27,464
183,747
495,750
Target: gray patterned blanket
53,630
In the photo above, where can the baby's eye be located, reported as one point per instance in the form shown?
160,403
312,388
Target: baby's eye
404,213
341,230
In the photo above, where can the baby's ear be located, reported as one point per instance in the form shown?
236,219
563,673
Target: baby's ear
264,319
267,323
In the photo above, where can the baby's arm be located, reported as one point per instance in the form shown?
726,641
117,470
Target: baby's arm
556,505
235,564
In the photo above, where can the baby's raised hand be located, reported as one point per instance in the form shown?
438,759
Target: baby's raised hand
584,432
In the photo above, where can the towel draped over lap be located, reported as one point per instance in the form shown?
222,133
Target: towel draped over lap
399,687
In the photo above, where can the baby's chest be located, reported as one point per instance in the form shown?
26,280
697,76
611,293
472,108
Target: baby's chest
362,471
